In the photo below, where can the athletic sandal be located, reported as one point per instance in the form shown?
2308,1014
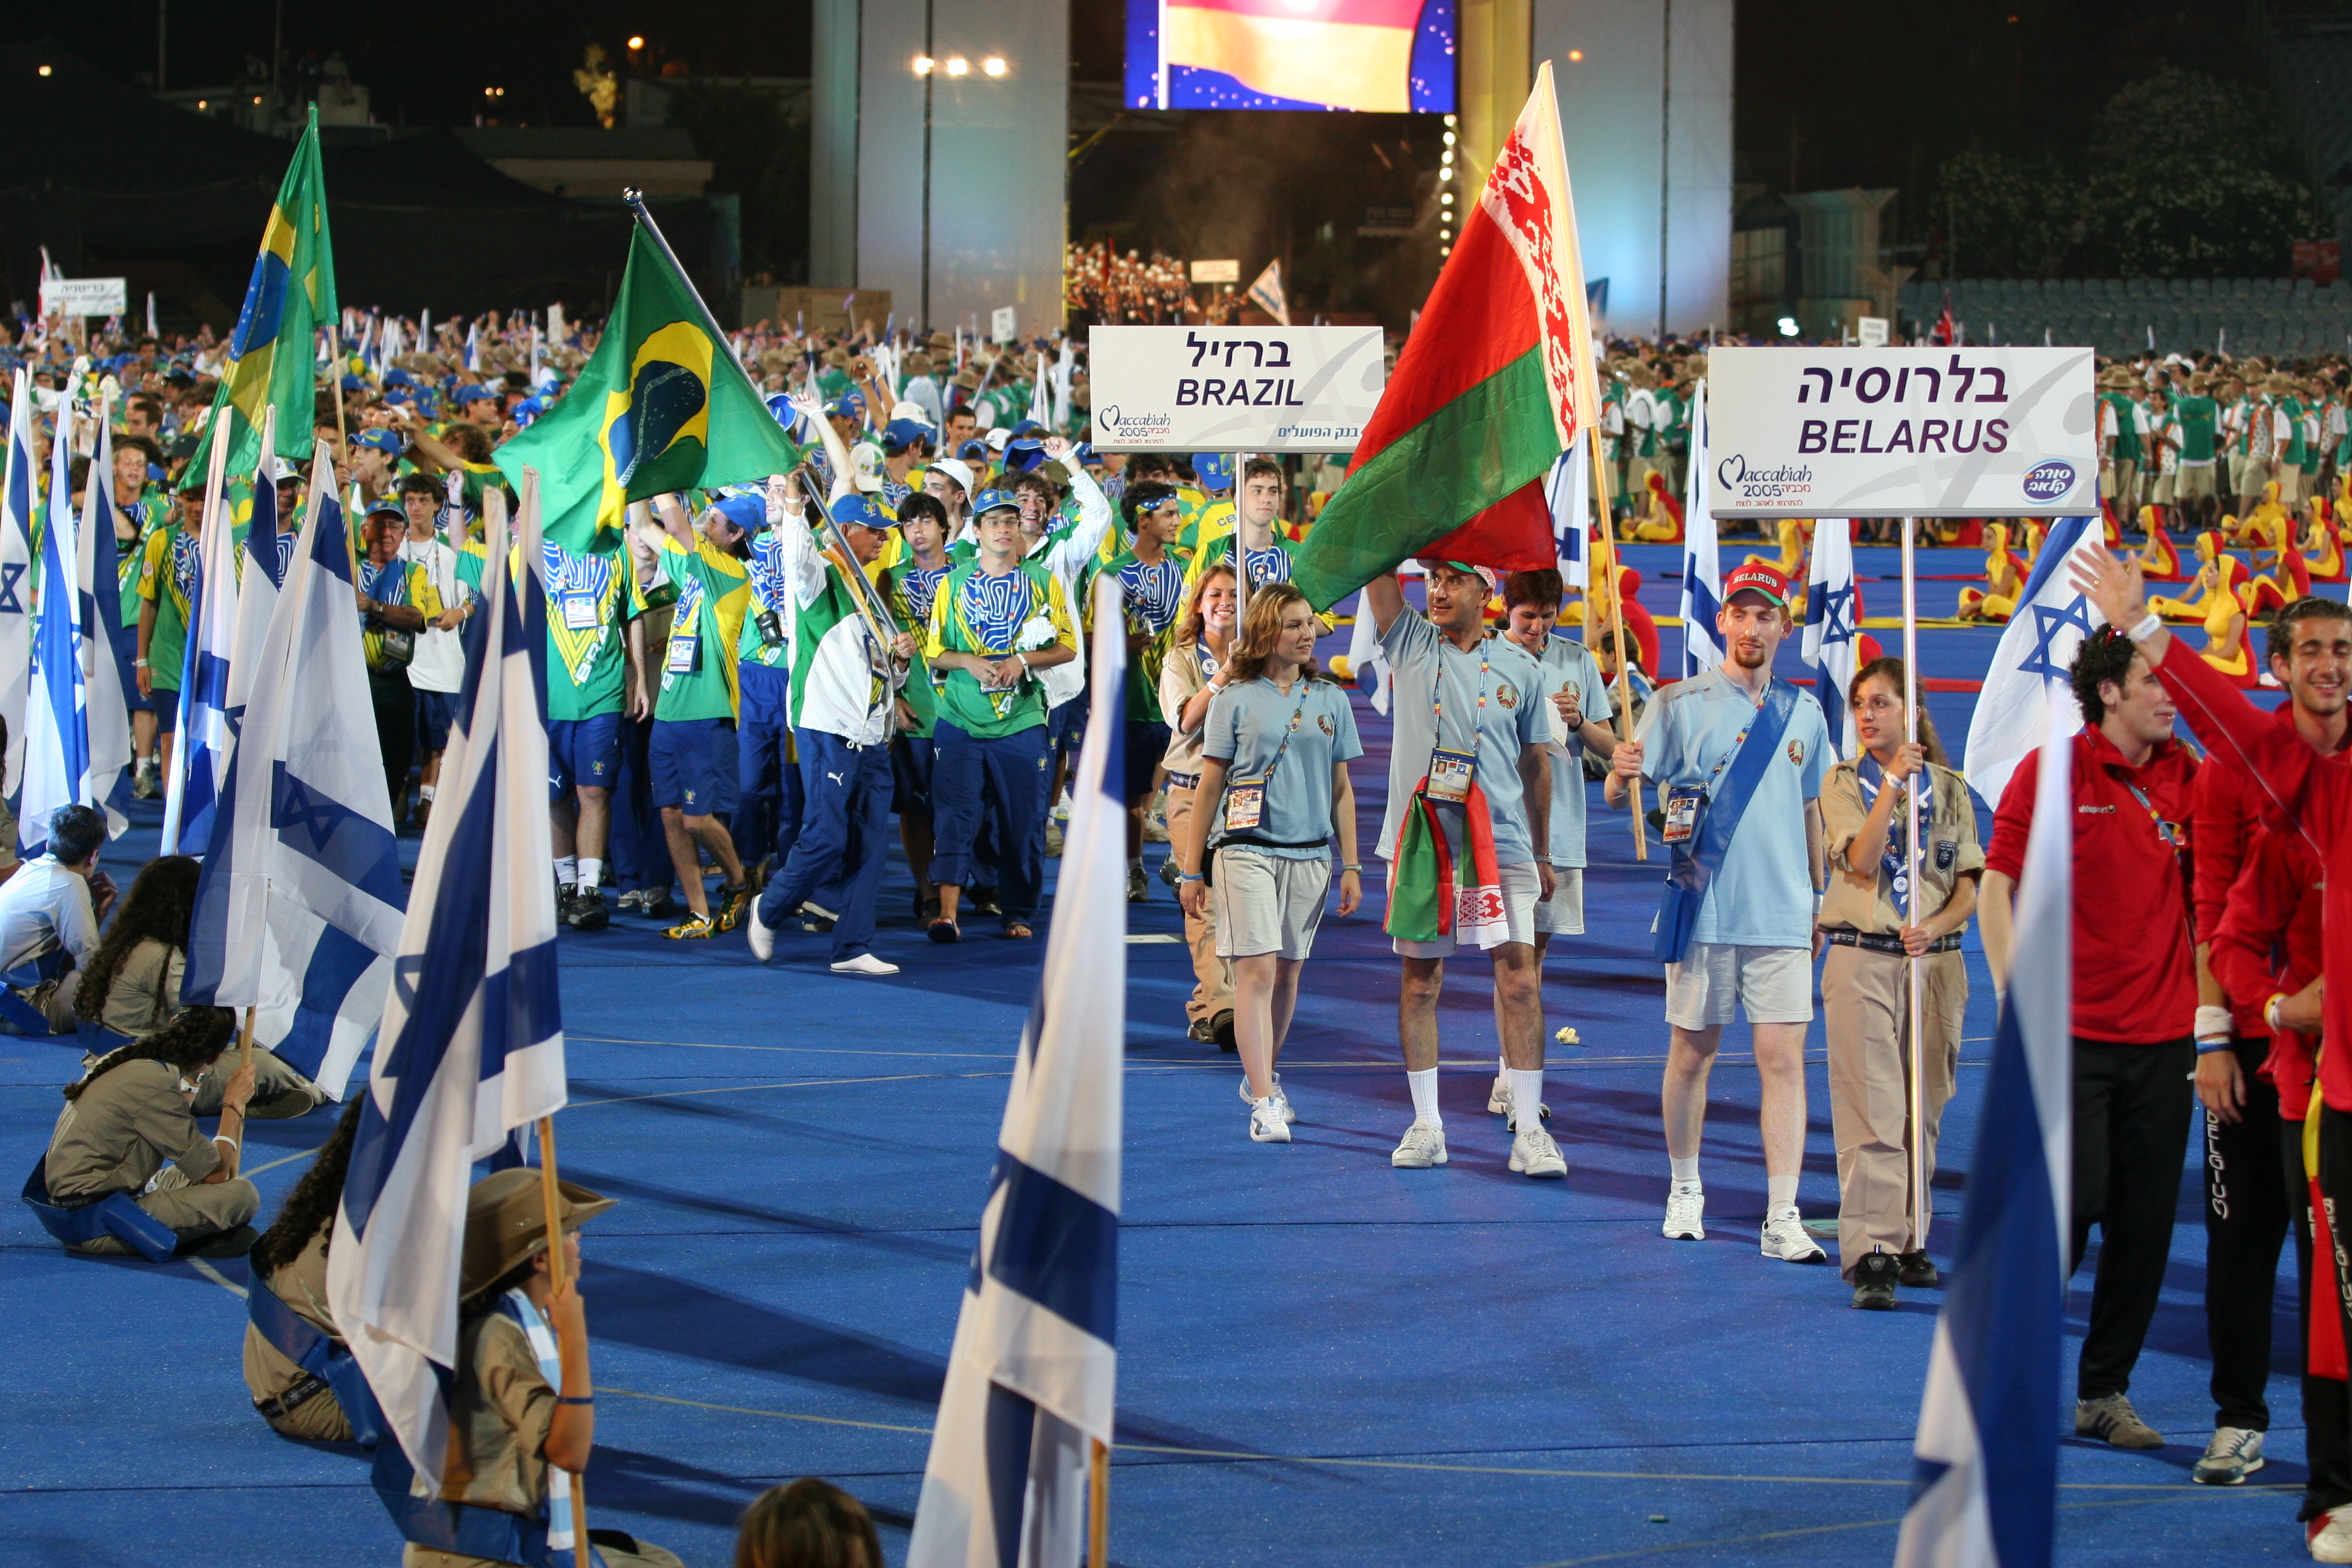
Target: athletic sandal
944,930
1018,931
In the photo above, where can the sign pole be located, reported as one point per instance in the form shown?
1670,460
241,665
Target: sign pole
1617,626
1911,814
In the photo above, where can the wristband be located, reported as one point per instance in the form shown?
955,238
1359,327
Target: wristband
1188,876
571,1399
2149,625
141,665
232,1144
2210,1047
1355,866
2271,1010
2214,1023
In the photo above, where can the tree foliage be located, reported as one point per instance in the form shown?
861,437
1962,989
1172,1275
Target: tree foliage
761,154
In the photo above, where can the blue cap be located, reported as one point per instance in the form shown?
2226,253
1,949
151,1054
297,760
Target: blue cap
901,434
973,450
529,409
384,441
1215,470
466,395
398,377
857,509
353,383
386,506
400,395
1028,428
1085,456
848,405
747,512
991,500
1023,455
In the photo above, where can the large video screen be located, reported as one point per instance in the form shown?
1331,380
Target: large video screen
1386,56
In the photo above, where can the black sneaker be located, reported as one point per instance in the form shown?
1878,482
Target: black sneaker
1220,1029
1873,1283
982,902
565,901
588,912
1918,1273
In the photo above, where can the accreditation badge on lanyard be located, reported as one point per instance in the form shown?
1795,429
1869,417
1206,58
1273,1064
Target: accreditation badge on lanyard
579,611
1451,771
681,653
1683,802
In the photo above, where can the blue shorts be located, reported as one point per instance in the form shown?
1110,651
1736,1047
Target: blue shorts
910,775
1066,727
579,751
437,710
167,710
694,764
1146,744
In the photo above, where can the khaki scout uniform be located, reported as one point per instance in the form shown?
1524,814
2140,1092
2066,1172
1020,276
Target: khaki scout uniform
270,1375
1866,1009
117,1137
144,996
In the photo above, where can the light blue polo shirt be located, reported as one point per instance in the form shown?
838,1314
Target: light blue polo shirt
1763,895
1430,667
1244,730
1566,662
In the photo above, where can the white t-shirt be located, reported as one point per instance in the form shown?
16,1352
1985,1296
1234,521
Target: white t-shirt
440,661
42,908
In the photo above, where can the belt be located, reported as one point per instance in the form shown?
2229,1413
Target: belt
293,1399
1183,780
1839,936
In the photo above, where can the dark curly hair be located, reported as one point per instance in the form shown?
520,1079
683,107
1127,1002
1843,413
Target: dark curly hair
310,1207
1142,498
2105,655
161,904
190,1040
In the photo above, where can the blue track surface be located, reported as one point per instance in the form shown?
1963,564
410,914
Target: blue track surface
1322,1360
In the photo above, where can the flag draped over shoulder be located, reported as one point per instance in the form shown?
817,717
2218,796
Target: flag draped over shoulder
2033,666
662,405
1494,383
272,355
1032,1376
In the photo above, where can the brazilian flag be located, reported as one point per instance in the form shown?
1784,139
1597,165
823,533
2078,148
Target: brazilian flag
661,407
273,357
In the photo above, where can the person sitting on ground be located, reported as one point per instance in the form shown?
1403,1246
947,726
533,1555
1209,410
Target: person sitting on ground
130,1115
50,912
290,1262
130,986
808,1524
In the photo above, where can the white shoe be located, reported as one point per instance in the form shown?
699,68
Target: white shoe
864,964
2235,1452
1422,1147
1266,1125
1280,1098
1685,1213
762,938
1784,1237
1498,1101
1533,1153
2330,1535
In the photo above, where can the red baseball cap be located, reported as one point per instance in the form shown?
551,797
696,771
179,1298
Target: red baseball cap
1756,577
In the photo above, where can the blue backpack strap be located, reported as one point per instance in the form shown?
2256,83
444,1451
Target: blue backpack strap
1696,861
302,1342
115,1215
96,1038
18,1016
459,1529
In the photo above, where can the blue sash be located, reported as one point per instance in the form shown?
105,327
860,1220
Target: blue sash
302,1342
117,1215
1699,858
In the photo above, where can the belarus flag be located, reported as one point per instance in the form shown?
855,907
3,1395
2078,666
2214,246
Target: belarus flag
1492,386
1349,54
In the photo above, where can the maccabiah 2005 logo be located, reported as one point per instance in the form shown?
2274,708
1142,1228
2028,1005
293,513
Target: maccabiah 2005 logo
1790,480
1133,426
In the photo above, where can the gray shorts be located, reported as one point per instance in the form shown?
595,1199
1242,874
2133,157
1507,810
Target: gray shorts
1265,903
1562,914
1772,985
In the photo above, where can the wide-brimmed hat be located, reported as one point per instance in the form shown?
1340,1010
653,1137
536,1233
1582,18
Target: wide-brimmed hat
506,1222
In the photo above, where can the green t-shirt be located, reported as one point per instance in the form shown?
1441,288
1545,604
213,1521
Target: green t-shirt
2196,416
994,616
2293,449
167,575
2126,416
587,612
150,512
714,592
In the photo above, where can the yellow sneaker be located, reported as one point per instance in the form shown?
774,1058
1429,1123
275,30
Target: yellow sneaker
736,900
694,926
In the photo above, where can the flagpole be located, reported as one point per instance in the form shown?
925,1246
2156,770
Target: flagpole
1617,626
245,1041
1911,813
551,1198
1098,1507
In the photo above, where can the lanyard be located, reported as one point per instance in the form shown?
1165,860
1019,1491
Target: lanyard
2169,832
1871,776
1306,688
1437,699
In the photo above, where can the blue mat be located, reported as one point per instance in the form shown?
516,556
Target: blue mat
1323,1360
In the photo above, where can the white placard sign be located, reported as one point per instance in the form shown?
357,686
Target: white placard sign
1924,432
1227,271
1870,331
1004,324
84,297
1233,389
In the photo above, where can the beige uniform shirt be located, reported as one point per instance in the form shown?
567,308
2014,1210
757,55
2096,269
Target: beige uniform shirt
1181,679
498,1419
126,1124
1862,898
302,1286
145,994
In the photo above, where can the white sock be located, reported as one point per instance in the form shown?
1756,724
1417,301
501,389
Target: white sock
1527,1095
424,792
567,870
1425,1096
1779,1192
1686,1171
591,874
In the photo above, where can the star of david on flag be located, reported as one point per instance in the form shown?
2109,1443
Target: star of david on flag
2030,667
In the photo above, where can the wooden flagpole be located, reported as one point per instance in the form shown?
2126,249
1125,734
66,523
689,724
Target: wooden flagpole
1911,812
551,1197
1098,1507
1624,702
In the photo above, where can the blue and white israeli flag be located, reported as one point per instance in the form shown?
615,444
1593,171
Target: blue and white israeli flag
106,712
1031,1378
206,736
56,725
2031,680
1985,1486
1569,492
19,493
473,1034
299,904
1830,626
1702,597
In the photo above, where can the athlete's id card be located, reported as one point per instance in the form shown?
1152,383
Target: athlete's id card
1450,774
1244,803
579,612
1683,802
681,654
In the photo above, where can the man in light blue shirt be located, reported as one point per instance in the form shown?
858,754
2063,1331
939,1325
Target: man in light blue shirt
1752,942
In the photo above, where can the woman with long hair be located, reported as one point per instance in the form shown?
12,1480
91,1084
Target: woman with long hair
290,1262
1273,787
1191,678
130,1115
1875,923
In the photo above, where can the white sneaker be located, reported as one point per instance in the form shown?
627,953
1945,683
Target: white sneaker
1784,1237
2330,1535
1266,1125
2235,1452
1533,1153
1422,1147
1280,1098
865,963
762,938
1685,1213
1498,1101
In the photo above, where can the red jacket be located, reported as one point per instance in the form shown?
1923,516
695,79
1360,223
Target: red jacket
2225,823
2268,941
2134,958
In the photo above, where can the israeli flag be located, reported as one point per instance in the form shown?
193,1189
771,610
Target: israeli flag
206,737
2030,681
1830,621
106,712
1985,1487
473,1030
57,726
1031,1378
299,905
1570,493
19,493
1702,598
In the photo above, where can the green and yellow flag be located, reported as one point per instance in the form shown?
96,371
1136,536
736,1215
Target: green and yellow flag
273,357
662,405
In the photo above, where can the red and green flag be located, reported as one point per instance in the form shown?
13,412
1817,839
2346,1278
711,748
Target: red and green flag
1433,891
1494,383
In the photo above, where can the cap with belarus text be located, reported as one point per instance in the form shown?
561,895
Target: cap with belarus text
1754,577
